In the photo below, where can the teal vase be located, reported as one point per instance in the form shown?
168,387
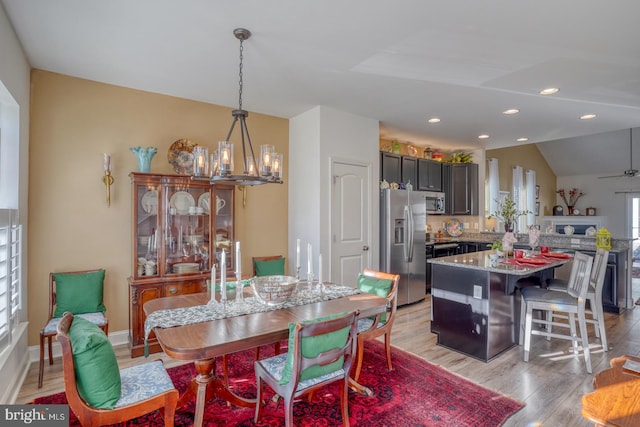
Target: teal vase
144,156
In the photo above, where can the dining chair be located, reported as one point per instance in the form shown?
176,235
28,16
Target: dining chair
98,392
384,285
320,352
571,302
594,295
78,292
268,265
262,266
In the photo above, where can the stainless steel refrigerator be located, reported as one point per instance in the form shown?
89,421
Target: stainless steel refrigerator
403,217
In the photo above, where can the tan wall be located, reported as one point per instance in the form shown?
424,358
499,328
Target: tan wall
529,157
74,121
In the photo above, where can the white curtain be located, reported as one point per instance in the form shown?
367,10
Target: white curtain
494,186
531,196
518,196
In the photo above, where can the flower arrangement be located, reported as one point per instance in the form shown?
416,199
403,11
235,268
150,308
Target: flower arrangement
507,211
574,195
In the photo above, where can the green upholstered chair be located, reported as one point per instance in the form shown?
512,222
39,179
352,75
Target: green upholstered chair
384,285
98,392
320,352
272,265
78,292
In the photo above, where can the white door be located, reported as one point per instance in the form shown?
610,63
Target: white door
350,221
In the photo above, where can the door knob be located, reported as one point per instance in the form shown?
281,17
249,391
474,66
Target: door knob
365,248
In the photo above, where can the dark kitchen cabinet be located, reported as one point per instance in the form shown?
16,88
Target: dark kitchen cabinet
390,167
409,170
461,188
429,175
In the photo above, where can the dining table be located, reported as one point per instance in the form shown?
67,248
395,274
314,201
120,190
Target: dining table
184,336
615,400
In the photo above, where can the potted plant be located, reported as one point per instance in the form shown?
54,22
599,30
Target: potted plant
497,247
508,213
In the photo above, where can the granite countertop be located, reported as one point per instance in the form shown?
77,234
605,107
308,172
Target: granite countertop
554,240
481,261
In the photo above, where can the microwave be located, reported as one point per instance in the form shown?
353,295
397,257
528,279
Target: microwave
435,202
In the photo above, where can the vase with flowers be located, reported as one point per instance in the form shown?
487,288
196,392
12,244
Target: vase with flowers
574,194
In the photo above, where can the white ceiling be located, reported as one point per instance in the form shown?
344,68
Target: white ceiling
399,62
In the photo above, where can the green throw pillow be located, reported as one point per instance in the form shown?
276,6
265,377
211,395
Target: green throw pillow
312,346
96,366
270,268
79,293
379,287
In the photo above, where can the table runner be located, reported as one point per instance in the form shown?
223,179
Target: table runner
205,313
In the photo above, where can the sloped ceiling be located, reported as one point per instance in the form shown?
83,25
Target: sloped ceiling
605,154
401,62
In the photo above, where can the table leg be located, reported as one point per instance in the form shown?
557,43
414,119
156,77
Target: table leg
205,386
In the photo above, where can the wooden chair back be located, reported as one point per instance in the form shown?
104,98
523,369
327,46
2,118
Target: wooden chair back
378,328
264,258
598,271
578,284
90,416
392,296
304,330
52,287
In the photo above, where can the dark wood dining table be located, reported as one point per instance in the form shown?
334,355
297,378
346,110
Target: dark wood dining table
204,342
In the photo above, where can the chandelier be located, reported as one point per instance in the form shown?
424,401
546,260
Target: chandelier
221,163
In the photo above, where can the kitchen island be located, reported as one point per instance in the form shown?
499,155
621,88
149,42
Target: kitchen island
475,306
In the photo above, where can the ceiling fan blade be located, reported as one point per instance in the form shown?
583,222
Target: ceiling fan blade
612,176
631,172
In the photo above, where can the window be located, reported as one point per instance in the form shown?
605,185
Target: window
10,276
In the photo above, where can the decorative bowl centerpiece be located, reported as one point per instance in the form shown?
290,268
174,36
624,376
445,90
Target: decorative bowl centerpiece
273,290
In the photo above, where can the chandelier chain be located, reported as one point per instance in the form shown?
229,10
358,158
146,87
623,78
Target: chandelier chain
240,75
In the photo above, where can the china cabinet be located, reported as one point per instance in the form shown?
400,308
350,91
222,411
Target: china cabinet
177,225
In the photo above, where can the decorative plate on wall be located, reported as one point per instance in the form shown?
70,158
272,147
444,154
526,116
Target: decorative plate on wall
180,156
454,227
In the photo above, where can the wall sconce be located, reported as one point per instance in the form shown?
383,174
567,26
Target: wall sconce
107,178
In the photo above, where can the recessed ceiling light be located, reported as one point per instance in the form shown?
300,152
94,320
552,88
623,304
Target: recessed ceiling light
434,120
588,116
511,111
522,139
483,136
549,91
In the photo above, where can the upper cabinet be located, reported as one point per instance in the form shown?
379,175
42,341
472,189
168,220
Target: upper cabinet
390,167
429,175
425,175
461,188
409,170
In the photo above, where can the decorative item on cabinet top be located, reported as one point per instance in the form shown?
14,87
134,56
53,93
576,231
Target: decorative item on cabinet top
180,156
144,156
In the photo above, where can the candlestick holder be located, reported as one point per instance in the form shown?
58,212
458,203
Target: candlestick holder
108,181
310,279
239,290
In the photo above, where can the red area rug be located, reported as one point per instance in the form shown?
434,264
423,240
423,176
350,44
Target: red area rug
416,393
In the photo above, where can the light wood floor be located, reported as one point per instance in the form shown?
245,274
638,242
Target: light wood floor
551,383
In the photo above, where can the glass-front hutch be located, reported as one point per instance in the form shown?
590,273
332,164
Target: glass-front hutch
178,224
